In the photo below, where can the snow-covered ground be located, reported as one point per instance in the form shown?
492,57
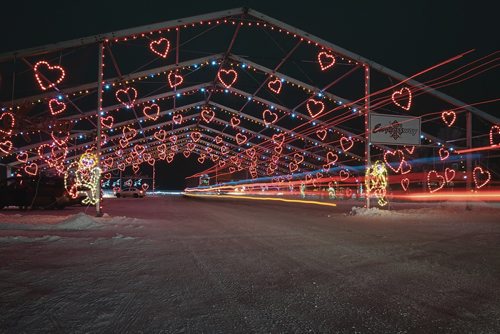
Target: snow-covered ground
171,264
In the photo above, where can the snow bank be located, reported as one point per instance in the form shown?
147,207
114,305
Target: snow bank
442,211
80,221
45,238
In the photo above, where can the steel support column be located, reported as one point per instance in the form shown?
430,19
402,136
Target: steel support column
367,129
98,207
468,130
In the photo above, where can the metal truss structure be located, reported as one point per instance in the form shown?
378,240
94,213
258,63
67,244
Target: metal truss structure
252,97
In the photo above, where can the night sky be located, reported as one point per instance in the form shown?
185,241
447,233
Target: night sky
404,36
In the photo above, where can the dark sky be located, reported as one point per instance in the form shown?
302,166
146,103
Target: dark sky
402,35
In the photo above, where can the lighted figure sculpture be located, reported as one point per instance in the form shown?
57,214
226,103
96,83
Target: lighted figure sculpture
376,181
331,192
303,190
83,178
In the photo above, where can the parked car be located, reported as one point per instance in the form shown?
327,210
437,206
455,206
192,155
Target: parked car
45,192
130,192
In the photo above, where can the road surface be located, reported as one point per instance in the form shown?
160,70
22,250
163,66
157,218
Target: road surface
219,266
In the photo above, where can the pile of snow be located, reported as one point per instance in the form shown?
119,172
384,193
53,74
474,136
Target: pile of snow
80,221
45,238
371,212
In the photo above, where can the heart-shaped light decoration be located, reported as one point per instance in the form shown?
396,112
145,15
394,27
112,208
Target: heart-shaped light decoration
314,107
325,60
43,82
402,94
227,77
160,47
275,86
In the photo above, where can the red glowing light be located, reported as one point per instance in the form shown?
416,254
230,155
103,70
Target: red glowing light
47,68
344,175
124,97
325,60
31,169
241,138
227,77
269,117
449,174
6,146
275,86
22,157
432,177
449,117
7,121
314,108
479,179
207,115
331,158
161,135
235,121
402,94
56,107
195,136
177,119
107,122
405,183
390,156
321,134
443,154
174,79
346,143
495,135
152,112
160,47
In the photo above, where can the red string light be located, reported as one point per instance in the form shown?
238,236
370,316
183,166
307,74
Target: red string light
207,115
123,96
344,175
161,47
440,182
403,93
235,121
321,134
6,146
275,85
161,135
449,117
269,117
227,77
107,121
443,153
174,79
477,172
31,169
495,133
7,121
241,138
331,158
314,108
449,174
22,157
46,67
325,60
56,107
177,119
410,149
346,143
195,136
391,155
152,112
405,183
